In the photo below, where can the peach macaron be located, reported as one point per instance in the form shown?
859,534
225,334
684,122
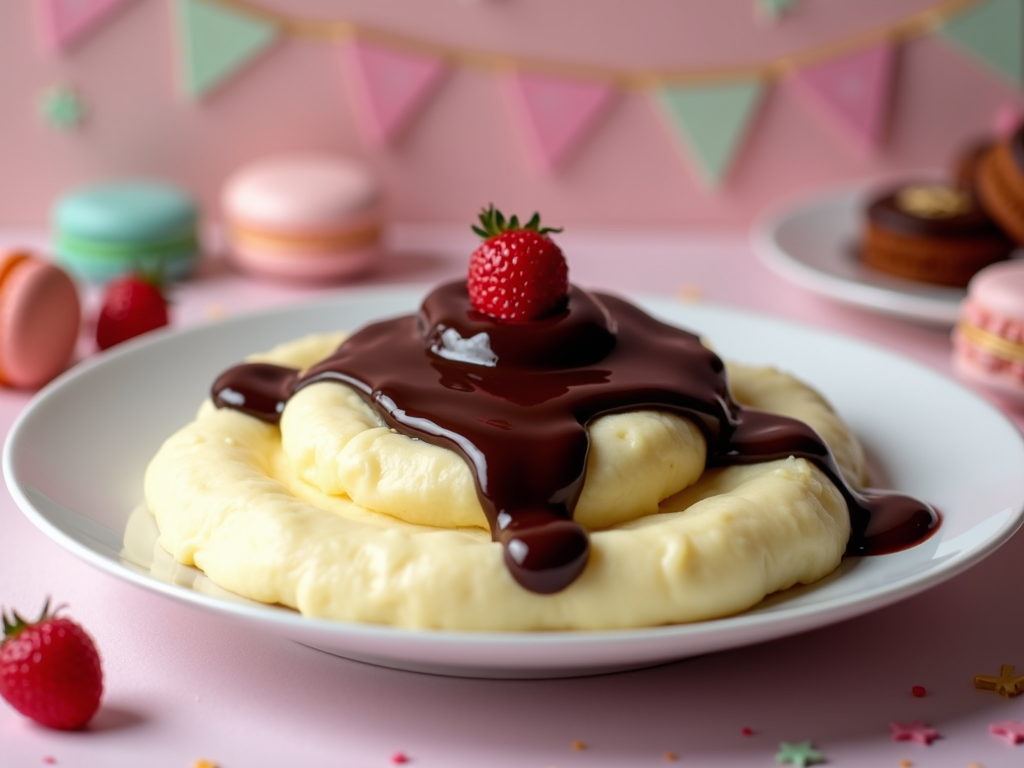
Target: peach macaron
988,341
306,217
40,315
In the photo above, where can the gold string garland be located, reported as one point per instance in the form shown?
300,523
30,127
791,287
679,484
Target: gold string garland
918,24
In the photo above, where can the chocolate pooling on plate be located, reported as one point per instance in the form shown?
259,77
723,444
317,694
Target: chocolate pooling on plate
514,400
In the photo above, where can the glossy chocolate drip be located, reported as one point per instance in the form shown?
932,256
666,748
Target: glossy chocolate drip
514,400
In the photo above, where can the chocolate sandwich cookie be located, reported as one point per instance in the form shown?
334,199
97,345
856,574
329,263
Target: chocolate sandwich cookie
968,161
931,232
1001,184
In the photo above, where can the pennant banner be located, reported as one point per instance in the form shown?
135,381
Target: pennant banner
847,81
993,33
216,42
852,93
556,114
389,87
64,22
713,121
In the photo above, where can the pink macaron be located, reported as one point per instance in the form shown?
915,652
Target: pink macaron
988,341
307,217
40,316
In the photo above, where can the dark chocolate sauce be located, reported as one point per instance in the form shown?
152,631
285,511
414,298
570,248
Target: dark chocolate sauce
514,400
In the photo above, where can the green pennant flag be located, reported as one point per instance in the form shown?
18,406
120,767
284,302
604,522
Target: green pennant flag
993,32
713,120
773,10
216,42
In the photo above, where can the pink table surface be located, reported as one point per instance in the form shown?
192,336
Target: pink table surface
182,684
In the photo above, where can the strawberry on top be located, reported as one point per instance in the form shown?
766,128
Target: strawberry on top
517,274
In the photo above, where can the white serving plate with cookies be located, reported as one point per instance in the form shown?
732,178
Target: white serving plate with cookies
812,241
74,462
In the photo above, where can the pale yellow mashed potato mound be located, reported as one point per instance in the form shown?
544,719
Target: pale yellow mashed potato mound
337,516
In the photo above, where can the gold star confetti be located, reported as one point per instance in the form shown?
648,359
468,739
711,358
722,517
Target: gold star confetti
62,107
1005,685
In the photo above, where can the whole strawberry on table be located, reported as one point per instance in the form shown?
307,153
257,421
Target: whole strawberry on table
132,305
50,670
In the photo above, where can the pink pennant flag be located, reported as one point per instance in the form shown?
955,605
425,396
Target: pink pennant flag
852,93
389,87
556,113
63,22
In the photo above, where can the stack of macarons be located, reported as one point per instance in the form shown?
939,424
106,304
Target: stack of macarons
40,316
988,341
106,230
305,217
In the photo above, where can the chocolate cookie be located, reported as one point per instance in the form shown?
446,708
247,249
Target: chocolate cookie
931,232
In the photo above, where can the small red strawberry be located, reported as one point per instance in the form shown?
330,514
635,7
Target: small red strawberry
131,306
50,670
517,274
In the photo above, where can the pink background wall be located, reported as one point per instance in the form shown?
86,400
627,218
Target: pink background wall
463,151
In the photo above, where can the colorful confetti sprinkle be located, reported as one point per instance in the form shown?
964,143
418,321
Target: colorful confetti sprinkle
50,760
914,731
1011,730
905,764
746,731
802,754
918,691
62,107
215,311
1005,685
671,757
399,758
690,293
772,11
203,763
579,746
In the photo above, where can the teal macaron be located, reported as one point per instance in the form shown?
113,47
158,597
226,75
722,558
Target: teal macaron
107,230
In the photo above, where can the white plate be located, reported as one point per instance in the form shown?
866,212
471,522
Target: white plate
812,242
75,458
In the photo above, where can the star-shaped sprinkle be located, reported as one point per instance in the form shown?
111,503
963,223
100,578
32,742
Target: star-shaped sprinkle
1010,730
1005,685
802,754
62,107
773,10
914,731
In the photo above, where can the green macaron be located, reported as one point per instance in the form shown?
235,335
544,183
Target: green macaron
107,230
